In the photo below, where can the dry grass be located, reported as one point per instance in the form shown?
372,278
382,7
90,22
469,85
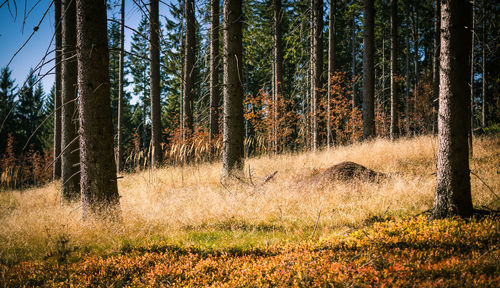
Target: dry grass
189,206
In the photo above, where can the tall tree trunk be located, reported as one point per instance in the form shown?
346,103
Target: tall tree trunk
483,64
453,195
120,89
435,62
316,66
331,68
189,55
57,91
383,86
232,154
98,170
416,65
394,65
214,75
69,161
471,127
368,70
154,51
278,70
353,65
407,69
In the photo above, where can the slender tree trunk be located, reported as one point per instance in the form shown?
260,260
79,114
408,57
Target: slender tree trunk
69,161
316,66
154,51
98,170
368,70
416,65
57,91
453,195
189,55
383,85
331,68
232,156
435,69
278,70
120,89
394,65
407,69
471,128
483,64
214,75
353,65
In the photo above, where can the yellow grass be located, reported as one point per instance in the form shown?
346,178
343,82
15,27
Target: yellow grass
189,206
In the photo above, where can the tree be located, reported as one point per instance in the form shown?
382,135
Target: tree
331,67
7,94
453,195
435,61
154,51
119,120
394,58
98,169
368,70
232,154
214,75
278,69
57,90
189,61
70,176
316,65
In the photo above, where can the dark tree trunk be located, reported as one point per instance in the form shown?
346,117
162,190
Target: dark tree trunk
232,155
120,89
471,126
407,69
98,170
435,68
453,195
316,66
483,64
331,68
394,65
214,75
154,52
416,64
189,54
69,160
278,70
57,91
368,70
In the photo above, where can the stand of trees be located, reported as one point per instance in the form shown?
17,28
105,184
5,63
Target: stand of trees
283,87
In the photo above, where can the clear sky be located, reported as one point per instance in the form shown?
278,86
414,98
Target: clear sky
17,23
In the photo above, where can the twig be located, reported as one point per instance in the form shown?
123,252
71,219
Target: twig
269,177
316,224
491,190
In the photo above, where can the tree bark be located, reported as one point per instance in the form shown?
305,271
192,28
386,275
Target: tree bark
471,126
214,76
278,70
435,68
69,159
407,69
316,66
331,68
232,156
154,51
453,195
57,91
120,89
368,70
483,64
189,55
394,65
98,170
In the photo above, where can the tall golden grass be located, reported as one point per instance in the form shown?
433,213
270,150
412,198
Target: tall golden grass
167,204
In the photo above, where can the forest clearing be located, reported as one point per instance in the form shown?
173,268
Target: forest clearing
182,227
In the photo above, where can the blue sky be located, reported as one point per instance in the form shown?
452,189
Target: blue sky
16,26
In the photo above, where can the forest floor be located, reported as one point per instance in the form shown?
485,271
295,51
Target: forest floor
182,227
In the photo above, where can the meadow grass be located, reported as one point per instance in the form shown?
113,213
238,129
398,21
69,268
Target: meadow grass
189,207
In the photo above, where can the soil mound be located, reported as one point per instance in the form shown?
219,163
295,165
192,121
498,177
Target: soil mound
347,171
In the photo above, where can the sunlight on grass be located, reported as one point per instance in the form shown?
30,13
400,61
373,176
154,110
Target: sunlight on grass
189,206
